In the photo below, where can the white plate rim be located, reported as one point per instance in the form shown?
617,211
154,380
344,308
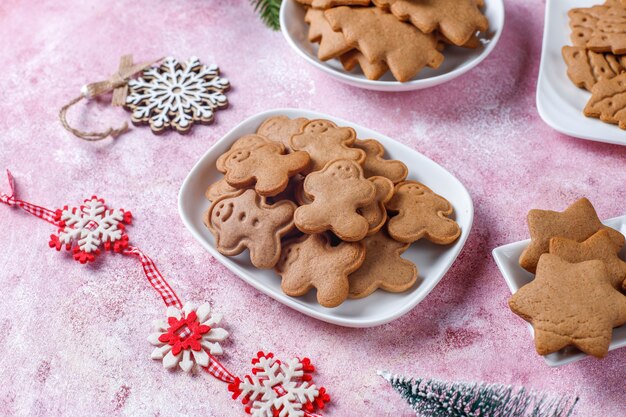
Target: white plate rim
554,359
379,85
546,116
290,301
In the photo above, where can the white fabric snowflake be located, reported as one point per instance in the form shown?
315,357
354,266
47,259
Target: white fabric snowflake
186,336
176,95
278,388
90,226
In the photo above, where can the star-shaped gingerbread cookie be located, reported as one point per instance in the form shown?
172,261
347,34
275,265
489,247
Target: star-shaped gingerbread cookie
312,262
599,246
383,267
264,167
570,304
421,214
324,142
338,191
245,220
578,222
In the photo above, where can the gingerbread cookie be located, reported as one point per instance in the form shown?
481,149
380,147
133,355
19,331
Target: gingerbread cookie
324,142
578,222
375,212
245,142
458,20
376,165
421,214
311,262
327,4
245,220
332,44
338,191
218,189
599,246
383,38
281,129
372,71
570,304
599,28
383,267
585,68
264,167
608,101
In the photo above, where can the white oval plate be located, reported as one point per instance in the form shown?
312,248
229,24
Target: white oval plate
507,258
559,102
457,60
381,307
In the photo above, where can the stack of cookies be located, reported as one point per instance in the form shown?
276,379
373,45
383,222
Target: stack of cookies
402,36
324,209
597,61
576,297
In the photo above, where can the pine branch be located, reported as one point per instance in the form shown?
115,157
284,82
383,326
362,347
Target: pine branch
269,11
433,398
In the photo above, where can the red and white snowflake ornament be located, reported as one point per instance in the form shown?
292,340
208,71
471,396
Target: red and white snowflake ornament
279,389
188,337
91,226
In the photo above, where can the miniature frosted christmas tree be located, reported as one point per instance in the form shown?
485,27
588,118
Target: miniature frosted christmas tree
434,398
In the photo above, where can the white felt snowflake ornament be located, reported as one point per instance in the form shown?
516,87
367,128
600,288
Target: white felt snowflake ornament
177,95
279,389
89,227
187,337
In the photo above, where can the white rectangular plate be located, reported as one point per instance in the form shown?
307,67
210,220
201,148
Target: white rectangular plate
381,307
507,257
559,101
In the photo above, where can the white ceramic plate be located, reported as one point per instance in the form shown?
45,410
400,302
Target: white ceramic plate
507,257
381,307
457,60
559,101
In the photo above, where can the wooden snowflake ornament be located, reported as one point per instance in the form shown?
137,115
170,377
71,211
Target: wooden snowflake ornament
85,229
176,95
188,337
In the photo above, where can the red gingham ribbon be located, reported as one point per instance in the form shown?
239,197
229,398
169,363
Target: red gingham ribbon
218,370
37,211
156,279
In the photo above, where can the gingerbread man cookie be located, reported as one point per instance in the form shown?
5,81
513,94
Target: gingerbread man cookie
421,214
245,142
578,222
599,246
281,129
218,189
375,213
312,262
338,191
570,304
324,142
383,267
264,167
376,165
245,220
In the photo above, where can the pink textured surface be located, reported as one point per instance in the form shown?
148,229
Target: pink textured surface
73,337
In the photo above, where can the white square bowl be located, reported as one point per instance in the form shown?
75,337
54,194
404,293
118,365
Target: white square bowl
507,258
457,60
433,261
559,102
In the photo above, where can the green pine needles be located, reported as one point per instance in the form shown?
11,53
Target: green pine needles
269,11
433,398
